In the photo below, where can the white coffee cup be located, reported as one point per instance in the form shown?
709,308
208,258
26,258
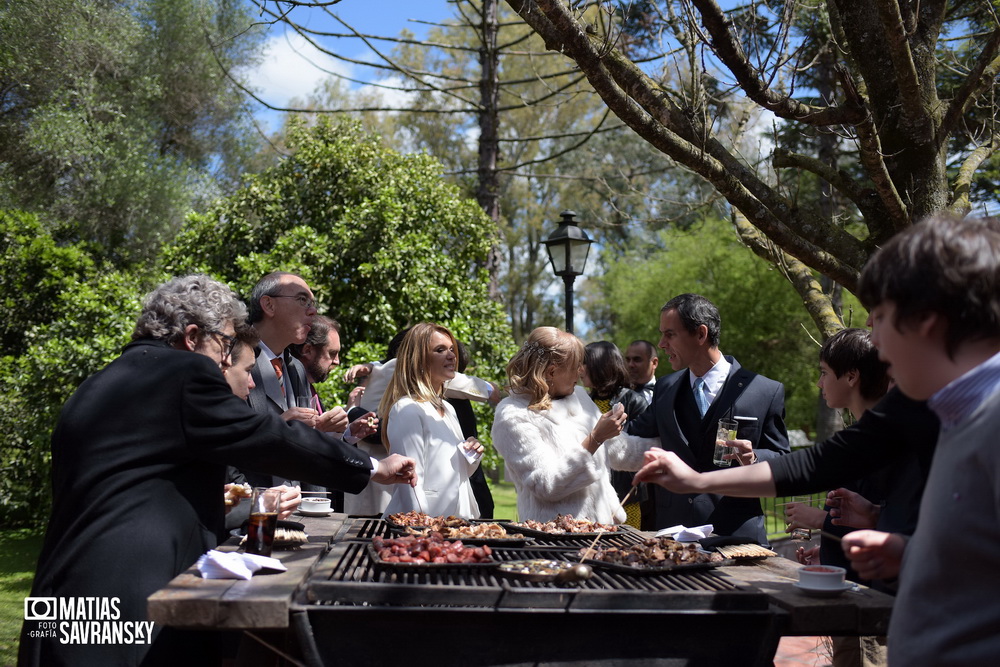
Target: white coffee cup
315,505
823,577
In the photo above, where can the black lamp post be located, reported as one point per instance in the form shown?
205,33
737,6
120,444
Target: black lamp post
568,247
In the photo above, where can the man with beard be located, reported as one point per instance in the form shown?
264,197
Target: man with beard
319,354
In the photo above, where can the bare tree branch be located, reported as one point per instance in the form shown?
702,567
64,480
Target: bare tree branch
963,182
815,300
672,132
729,50
917,121
981,78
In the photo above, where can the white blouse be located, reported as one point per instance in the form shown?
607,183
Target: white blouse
416,430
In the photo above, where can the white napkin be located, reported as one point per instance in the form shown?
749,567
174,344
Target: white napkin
685,534
234,565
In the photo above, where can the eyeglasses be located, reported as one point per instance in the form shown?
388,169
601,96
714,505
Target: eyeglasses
230,342
304,301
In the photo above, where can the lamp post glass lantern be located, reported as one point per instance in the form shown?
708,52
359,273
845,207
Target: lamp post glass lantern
568,247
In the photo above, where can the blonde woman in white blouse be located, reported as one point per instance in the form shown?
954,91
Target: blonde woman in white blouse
421,424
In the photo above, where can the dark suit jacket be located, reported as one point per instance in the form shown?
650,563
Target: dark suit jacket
138,464
266,398
745,394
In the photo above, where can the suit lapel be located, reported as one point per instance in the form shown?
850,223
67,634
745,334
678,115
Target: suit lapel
669,403
738,380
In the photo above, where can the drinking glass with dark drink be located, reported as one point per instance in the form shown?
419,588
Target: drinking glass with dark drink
264,504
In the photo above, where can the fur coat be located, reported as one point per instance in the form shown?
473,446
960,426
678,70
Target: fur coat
552,472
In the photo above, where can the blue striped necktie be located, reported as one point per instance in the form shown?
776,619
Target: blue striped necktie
699,396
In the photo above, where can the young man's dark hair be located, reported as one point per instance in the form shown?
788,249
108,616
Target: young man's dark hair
852,350
318,335
950,269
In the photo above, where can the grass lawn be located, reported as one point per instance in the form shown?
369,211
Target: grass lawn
504,499
18,553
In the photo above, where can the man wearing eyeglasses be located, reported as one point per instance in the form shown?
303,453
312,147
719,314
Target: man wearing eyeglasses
139,458
282,309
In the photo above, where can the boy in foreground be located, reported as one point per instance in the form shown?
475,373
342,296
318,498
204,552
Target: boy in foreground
934,296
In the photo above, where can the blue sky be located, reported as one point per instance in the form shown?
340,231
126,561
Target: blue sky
293,68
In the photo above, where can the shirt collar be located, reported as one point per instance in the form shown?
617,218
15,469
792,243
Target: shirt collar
715,377
266,351
958,399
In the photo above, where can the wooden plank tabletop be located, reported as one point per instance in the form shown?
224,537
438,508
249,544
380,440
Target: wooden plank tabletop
862,612
189,601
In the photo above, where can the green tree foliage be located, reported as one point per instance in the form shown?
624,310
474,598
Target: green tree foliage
117,117
383,240
37,274
64,317
763,323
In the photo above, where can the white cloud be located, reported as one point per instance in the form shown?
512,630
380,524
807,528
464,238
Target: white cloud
389,97
291,68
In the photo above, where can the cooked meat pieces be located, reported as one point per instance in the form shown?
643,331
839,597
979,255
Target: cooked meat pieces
654,552
431,548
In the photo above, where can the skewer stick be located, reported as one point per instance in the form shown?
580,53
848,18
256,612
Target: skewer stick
600,531
831,536
420,505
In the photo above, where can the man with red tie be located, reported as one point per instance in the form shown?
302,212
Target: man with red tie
282,309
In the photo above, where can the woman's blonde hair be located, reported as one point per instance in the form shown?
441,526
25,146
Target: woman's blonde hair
411,378
544,347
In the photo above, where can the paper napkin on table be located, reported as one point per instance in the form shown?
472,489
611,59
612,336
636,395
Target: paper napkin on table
685,534
234,565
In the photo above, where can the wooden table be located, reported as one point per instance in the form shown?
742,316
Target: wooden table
267,604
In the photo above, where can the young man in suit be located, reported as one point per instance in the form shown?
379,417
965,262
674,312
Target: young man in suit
319,355
687,405
139,458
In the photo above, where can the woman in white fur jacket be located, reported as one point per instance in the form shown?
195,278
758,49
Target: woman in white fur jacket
557,446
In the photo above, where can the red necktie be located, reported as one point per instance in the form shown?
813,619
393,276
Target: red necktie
276,362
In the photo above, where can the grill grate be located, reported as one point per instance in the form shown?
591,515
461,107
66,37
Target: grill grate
347,576
367,528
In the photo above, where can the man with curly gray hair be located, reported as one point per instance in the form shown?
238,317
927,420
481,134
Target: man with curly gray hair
192,312
139,460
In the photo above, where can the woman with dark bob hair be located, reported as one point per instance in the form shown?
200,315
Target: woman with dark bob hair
605,375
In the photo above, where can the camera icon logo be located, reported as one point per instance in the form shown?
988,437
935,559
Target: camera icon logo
40,609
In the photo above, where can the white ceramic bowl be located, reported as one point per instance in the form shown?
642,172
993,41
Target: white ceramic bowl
315,504
822,577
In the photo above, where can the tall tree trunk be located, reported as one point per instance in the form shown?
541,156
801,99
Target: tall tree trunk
828,420
488,186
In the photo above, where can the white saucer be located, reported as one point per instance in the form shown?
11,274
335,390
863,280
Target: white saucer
312,513
824,592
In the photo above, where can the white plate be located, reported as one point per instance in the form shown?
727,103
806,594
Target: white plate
311,513
824,592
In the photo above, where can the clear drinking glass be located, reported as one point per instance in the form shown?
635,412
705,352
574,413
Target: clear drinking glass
726,431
